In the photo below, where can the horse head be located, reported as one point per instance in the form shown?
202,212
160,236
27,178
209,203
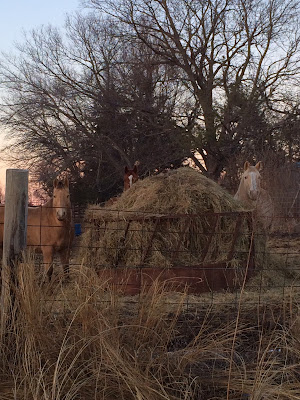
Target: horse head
130,177
61,199
251,180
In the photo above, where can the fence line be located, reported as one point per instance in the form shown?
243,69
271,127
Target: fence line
279,255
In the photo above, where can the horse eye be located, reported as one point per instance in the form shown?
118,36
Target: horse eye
246,177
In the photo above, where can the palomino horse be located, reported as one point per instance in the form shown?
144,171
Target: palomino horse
254,197
50,228
130,177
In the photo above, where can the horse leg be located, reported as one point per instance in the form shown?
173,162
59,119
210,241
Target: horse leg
64,259
47,262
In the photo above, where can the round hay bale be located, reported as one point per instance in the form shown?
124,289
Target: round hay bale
167,220
180,191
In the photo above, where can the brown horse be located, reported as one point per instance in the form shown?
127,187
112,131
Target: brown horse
50,228
130,177
254,197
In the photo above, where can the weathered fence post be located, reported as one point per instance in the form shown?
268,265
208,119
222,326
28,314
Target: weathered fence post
15,231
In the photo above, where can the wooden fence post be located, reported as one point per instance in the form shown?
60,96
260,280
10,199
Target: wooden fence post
14,238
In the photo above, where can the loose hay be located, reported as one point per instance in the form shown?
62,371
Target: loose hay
167,220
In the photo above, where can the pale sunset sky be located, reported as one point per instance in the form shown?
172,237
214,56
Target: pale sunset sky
17,16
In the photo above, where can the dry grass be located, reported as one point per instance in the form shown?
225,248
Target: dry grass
82,342
85,341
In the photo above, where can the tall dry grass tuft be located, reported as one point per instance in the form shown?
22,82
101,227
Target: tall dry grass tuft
85,341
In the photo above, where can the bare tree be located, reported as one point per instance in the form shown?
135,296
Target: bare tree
234,55
89,104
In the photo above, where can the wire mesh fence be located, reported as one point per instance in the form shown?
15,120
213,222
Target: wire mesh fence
198,253
210,252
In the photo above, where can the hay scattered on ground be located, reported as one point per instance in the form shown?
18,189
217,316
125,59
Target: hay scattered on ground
135,230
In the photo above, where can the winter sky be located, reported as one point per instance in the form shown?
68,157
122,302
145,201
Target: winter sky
17,16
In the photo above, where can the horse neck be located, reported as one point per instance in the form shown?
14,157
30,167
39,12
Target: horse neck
263,193
48,204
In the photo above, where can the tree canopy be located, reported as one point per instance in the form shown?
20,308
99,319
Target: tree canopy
154,81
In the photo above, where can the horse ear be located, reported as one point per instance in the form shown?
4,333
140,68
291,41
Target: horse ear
246,165
55,182
66,182
126,169
135,168
259,166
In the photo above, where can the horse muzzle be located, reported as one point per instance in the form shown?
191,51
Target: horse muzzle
253,195
61,216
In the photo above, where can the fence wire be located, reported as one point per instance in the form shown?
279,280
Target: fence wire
214,250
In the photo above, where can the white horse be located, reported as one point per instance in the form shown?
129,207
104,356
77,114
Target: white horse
254,197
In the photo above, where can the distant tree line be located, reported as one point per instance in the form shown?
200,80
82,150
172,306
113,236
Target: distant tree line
158,81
